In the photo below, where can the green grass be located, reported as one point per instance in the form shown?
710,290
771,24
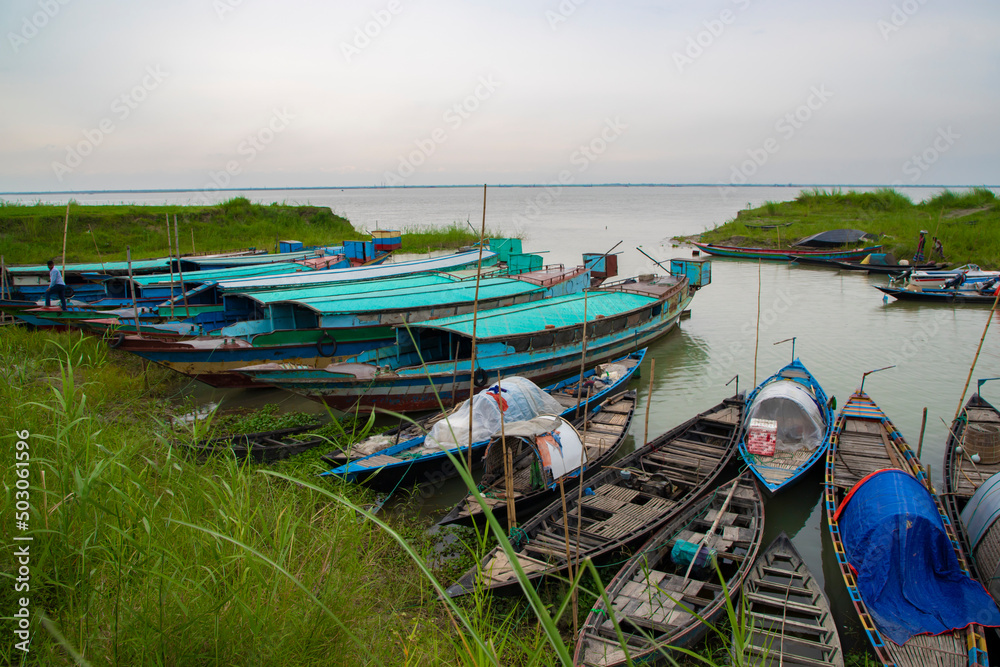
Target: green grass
967,223
33,234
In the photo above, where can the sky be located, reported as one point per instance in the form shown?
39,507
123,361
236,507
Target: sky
212,94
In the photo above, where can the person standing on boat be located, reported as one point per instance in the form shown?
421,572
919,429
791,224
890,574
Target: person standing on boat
57,286
918,258
938,249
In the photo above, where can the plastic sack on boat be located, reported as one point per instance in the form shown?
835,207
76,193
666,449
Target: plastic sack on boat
524,401
800,420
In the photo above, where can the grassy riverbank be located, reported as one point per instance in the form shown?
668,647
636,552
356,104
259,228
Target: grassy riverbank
34,233
968,223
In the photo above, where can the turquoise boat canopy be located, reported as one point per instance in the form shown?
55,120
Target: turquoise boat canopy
418,297
96,267
213,275
333,291
561,311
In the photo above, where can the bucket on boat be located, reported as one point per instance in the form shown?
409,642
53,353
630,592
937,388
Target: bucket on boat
684,552
983,439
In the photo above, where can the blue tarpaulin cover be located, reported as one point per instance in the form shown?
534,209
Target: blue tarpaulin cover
907,571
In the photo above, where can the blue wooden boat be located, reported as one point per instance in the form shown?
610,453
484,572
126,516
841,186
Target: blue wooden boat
866,445
794,404
409,460
784,254
951,296
430,365
320,325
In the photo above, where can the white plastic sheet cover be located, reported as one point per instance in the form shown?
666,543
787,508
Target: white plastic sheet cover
558,444
525,400
800,420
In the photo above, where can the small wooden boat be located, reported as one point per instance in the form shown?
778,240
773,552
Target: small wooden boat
972,276
403,456
666,594
784,254
866,443
934,295
786,426
976,432
259,447
623,505
787,613
888,265
539,466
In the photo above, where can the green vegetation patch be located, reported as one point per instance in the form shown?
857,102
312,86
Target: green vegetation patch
967,223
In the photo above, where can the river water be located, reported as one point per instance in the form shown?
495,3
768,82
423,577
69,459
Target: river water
841,323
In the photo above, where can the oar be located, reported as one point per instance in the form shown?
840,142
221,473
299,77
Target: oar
715,524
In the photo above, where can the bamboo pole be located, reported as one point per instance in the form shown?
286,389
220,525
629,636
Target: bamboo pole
475,314
920,442
135,305
961,401
565,513
583,353
180,271
579,513
756,342
193,252
508,478
3,287
65,234
170,264
649,399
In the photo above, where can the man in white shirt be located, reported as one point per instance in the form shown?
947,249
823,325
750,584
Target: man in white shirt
56,286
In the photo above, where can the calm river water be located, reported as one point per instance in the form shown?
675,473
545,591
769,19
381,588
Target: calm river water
842,325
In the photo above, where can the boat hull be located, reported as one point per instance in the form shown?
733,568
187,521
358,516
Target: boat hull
784,255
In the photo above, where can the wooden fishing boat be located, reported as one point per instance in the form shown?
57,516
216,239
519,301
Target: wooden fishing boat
431,362
624,505
787,613
933,295
889,267
317,326
976,432
786,426
667,593
402,455
972,276
259,447
538,466
865,443
784,254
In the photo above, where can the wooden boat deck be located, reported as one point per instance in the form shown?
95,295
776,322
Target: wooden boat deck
966,475
789,614
781,467
653,596
667,472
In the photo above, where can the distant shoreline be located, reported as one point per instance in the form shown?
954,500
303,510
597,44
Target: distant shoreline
510,185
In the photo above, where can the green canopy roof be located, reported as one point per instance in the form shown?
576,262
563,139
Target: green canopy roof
562,311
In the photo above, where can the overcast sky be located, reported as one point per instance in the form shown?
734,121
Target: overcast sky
96,94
